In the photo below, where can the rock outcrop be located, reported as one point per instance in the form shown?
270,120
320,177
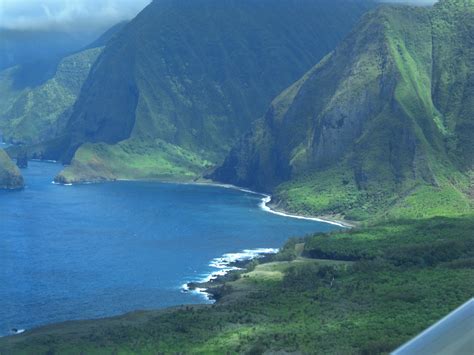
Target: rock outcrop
10,176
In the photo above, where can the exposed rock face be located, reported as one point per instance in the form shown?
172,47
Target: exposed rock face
10,176
195,75
371,110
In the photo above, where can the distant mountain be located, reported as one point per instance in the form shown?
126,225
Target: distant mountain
33,114
383,123
183,80
10,176
37,97
26,46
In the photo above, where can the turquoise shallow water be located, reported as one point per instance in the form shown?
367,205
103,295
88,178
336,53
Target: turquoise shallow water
89,251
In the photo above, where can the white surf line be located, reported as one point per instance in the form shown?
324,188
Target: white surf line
263,204
223,264
44,161
13,331
60,184
268,198
197,291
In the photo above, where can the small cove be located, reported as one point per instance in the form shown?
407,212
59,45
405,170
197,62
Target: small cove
98,250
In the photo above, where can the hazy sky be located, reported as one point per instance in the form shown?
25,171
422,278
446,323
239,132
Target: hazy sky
67,14
80,14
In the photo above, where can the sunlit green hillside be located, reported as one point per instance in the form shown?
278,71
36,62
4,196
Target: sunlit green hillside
381,126
193,76
10,176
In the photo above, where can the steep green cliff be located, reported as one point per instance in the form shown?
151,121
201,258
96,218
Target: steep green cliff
37,97
10,176
194,75
31,115
383,123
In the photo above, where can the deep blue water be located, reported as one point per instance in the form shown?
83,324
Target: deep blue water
89,251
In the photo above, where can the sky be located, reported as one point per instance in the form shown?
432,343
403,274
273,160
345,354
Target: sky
92,15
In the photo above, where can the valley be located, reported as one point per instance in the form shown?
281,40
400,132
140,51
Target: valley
355,112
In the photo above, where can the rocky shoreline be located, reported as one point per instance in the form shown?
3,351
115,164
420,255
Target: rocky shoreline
230,267
10,175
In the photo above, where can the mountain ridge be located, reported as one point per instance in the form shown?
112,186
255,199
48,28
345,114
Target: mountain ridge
37,97
361,133
198,90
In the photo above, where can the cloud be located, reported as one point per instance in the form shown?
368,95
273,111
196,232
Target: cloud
74,15
77,15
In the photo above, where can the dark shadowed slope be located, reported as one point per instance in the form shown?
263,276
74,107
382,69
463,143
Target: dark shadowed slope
184,79
36,113
37,97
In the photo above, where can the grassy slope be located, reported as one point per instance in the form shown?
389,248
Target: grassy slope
34,114
331,193
10,176
453,81
200,74
372,129
131,158
365,291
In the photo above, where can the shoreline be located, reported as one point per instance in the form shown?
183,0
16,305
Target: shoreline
225,264
265,203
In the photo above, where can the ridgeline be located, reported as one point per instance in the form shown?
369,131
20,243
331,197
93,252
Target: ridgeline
381,126
182,81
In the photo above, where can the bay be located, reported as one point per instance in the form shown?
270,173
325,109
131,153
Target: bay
97,250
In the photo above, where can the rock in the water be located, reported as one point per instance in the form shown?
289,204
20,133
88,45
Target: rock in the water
22,159
10,176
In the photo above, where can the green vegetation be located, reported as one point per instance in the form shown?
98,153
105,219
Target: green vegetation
364,291
10,176
34,114
131,158
196,77
378,129
37,96
333,192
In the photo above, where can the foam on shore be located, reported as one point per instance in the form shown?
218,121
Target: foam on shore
60,183
224,265
267,199
264,206
45,161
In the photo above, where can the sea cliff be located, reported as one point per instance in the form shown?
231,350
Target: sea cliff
10,176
